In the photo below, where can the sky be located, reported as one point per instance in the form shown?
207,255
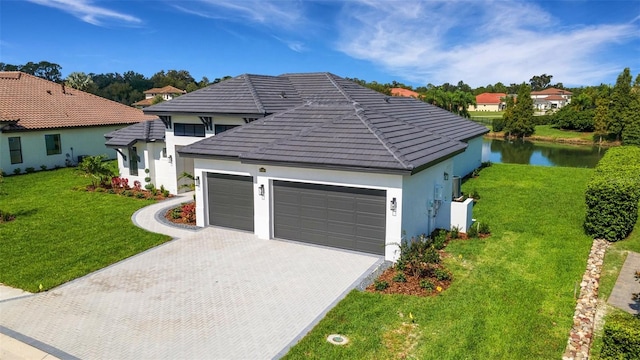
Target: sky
579,42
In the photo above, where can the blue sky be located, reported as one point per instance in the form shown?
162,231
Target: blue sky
579,42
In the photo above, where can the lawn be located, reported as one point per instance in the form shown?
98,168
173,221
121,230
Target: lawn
512,295
60,233
548,131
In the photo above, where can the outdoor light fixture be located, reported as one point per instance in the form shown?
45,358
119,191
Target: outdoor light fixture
261,190
170,159
446,176
394,204
197,180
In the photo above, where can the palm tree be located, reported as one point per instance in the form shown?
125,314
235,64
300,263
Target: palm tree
79,80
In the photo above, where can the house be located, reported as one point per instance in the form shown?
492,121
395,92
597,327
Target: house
310,157
45,124
550,98
490,102
166,93
404,92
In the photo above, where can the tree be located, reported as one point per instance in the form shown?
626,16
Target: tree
631,132
518,118
96,168
619,112
600,118
176,78
43,69
79,80
157,99
540,82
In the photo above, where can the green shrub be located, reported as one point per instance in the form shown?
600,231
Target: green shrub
399,277
111,191
543,119
147,179
380,285
43,167
140,195
17,171
613,194
497,124
455,232
427,285
441,274
176,213
472,232
484,228
127,193
621,337
29,170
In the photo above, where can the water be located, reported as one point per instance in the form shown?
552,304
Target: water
542,154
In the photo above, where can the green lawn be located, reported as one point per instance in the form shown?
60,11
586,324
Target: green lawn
61,234
486,114
548,131
512,295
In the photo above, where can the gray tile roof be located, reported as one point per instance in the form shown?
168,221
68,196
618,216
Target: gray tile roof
147,131
320,119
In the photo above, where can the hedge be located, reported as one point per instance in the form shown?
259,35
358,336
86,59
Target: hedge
613,194
621,338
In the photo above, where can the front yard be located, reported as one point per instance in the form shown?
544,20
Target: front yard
60,234
512,295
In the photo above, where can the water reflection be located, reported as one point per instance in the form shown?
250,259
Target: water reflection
543,154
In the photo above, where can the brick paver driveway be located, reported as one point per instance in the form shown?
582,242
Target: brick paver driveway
215,294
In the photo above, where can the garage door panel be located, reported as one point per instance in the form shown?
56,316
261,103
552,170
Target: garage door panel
230,199
348,218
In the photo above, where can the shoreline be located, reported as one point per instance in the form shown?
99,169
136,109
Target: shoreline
568,141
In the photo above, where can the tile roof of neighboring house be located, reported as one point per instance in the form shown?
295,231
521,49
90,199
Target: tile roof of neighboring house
165,90
554,97
148,131
551,91
35,103
490,98
404,92
335,122
143,102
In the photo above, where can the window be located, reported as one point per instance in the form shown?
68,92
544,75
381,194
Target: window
15,150
133,161
222,128
188,130
53,144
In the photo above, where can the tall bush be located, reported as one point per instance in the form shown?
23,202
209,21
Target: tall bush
621,338
613,194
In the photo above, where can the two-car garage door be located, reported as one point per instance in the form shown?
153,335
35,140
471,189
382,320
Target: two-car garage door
342,217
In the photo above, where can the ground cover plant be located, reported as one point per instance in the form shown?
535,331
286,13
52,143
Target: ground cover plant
512,295
60,234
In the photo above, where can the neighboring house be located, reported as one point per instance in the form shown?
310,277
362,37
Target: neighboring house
47,124
311,157
490,102
166,93
404,92
550,98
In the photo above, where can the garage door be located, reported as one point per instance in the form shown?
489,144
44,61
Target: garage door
230,201
343,217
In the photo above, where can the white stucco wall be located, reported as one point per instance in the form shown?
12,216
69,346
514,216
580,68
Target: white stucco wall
263,226
470,159
84,141
421,211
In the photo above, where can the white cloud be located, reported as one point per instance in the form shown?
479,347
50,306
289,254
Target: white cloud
478,42
87,12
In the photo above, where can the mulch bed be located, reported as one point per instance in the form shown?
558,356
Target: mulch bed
168,215
133,193
410,287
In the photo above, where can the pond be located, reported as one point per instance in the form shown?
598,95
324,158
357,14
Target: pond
539,153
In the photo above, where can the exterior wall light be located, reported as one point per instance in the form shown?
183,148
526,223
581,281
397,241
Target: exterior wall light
446,176
394,204
261,190
197,181
170,159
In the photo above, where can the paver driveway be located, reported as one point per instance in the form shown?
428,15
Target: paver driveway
214,294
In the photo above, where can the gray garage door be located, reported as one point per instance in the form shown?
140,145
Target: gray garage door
230,201
343,217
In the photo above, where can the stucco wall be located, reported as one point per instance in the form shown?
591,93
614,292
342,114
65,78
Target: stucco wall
470,159
263,205
422,213
84,141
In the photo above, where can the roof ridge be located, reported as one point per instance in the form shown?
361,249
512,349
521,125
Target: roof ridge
391,148
254,93
147,130
340,89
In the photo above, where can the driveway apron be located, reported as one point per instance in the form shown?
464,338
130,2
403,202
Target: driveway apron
215,293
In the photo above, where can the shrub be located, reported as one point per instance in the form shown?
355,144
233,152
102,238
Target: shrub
137,185
621,337
126,193
43,167
188,212
483,228
176,213
6,217
96,168
455,232
472,232
441,275
613,194
165,193
474,194
17,171
418,254
380,285
111,191
30,170
427,285
150,187
399,277
140,195
147,179
440,240
497,124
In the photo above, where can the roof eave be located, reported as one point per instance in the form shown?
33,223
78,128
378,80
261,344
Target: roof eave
436,161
